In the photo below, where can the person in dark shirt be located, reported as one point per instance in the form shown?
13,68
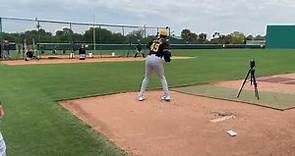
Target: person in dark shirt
1,50
29,55
82,52
54,50
5,53
154,63
139,50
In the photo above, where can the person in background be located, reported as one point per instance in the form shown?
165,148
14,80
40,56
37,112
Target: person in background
54,50
82,52
1,50
139,50
5,54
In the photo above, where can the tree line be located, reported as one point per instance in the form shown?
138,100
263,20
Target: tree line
67,35
104,36
217,38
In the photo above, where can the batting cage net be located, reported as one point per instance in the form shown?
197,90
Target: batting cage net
46,38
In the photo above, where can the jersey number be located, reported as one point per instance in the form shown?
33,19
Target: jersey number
155,47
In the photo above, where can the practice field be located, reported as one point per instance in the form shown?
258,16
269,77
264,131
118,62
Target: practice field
35,124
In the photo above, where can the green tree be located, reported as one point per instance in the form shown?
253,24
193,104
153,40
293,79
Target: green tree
185,35
216,35
77,37
64,35
188,36
237,38
103,36
219,38
259,37
202,37
135,36
250,37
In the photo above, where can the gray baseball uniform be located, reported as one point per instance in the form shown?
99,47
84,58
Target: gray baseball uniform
2,146
154,63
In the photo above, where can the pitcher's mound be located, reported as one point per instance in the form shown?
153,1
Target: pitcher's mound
186,126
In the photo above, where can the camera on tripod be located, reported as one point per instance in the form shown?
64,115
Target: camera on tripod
252,64
250,73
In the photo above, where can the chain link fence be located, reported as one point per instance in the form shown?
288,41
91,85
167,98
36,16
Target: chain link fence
51,37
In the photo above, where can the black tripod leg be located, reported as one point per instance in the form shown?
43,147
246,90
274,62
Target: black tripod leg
251,77
255,86
243,84
256,92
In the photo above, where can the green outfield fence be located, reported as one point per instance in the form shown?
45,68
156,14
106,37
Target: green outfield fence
123,50
90,46
213,46
280,36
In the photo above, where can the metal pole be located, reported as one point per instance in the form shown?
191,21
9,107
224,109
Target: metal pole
158,32
39,38
144,27
123,31
94,34
71,38
100,47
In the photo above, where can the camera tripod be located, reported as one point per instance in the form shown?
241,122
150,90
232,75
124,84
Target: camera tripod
251,72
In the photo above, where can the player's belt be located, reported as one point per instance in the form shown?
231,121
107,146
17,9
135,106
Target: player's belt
155,55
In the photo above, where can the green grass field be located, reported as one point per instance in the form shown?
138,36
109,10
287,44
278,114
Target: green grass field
36,125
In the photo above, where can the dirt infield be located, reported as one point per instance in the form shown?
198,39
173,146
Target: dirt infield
184,126
278,83
63,60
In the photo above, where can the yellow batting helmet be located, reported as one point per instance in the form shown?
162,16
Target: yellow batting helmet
163,32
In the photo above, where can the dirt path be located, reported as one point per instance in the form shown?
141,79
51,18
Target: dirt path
74,61
183,127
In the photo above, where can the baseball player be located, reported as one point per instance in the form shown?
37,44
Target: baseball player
139,50
82,52
5,54
154,63
2,142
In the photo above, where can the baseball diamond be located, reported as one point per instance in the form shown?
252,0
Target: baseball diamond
120,124
147,78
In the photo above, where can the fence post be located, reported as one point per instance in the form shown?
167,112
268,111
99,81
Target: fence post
1,28
144,29
1,40
169,29
72,45
39,37
123,31
94,34
100,41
